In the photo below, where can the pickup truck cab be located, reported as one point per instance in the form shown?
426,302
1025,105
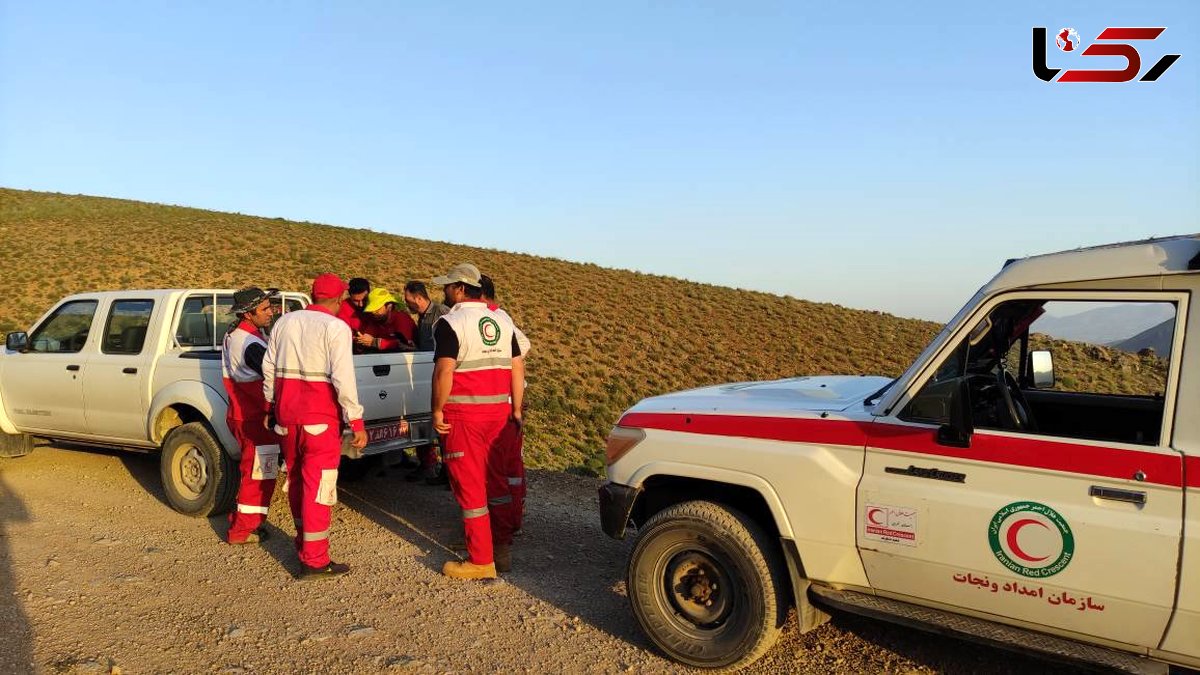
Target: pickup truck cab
1032,493
141,370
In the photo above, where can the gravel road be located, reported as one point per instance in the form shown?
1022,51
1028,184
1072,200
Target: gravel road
99,575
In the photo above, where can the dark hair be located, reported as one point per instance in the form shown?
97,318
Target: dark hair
359,285
415,287
487,285
473,292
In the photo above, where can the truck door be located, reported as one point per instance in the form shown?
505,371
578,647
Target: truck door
43,387
116,388
1065,507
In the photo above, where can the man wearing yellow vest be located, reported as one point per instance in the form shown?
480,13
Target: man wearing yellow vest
478,386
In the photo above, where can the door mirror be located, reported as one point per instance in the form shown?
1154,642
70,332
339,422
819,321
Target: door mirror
17,342
1041,365
957,432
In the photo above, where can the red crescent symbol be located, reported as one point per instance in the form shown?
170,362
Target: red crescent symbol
871,515
1012,539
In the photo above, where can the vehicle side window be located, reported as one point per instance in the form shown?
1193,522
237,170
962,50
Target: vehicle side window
196,322
225,318
125,332
1110,366
65,331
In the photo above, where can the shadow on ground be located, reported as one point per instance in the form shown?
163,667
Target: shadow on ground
563,558
16,647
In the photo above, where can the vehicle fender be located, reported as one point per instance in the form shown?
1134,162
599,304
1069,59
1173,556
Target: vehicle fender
203,398
718,475
6,424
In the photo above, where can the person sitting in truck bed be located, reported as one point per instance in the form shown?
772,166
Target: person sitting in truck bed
352,310
383,328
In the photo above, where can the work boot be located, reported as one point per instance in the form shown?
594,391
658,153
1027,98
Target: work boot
327,572
253,538
465,569
502,557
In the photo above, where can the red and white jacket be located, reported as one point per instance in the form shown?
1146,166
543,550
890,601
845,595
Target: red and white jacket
242,382
482,386
308,371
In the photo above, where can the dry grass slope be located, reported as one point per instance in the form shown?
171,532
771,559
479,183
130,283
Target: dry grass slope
603,338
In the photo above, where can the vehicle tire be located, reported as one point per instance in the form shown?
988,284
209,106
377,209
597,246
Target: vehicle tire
353,470
707,585
198,476
15,445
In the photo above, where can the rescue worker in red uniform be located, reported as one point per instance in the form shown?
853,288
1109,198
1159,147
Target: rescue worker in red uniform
351,310
310,389
477,390
241,369
384,328
510,449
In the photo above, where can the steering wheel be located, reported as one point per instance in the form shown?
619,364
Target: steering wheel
1017,407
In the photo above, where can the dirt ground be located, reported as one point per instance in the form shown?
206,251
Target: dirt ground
99,575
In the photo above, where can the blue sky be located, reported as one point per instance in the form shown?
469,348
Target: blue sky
886,156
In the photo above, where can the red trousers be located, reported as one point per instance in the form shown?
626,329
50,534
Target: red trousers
510,456
312,455
259,466
479,483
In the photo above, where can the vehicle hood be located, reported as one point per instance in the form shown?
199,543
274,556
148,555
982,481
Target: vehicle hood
797,394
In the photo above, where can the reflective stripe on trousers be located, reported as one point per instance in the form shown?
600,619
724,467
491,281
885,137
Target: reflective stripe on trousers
316,536
475,513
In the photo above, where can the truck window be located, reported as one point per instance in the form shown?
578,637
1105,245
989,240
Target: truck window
65,331
1111,361
197,327
125,329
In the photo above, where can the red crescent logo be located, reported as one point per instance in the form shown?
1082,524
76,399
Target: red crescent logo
871,515
1011,537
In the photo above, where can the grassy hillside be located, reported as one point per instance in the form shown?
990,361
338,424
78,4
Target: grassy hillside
602,338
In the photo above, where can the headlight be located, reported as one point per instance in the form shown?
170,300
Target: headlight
620,441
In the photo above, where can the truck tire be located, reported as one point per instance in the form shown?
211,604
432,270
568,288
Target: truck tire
198,477
354,470
15,445
707,585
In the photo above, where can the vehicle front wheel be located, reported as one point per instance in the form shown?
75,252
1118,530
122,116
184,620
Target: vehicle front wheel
15,445
707,585
198,477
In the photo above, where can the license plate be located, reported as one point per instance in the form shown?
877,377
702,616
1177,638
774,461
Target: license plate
385,432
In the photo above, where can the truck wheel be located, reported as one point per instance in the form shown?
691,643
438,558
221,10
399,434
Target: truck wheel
15,445
354,470
706,584
199,478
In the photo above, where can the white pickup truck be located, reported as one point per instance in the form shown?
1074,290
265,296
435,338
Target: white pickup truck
980,494
141,370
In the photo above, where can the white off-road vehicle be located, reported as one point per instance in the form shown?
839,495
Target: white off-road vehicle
978,494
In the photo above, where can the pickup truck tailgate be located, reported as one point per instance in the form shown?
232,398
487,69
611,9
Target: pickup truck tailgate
393,386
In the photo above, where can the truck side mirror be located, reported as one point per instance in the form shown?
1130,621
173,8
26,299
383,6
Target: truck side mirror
1041,364
957,432
17,342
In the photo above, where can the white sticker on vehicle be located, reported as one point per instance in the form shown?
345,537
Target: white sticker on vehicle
891,524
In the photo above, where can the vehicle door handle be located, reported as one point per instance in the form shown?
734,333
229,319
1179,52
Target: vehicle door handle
1117,494
381,371
129,371
72,367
